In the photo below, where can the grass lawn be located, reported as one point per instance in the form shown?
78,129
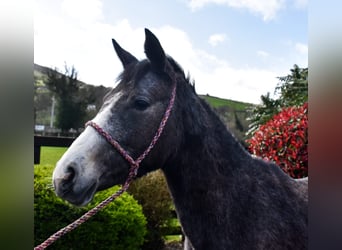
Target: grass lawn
50,155
48,159
173,238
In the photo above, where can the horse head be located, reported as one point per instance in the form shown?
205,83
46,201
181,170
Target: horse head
130,114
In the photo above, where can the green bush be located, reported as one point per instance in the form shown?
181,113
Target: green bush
121,225
152,193
284,140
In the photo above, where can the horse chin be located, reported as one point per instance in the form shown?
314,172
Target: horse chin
108,180
84,198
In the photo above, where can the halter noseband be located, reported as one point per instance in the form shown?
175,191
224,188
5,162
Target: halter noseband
136,163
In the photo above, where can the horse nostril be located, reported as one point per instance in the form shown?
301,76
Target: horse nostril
69,175
64,184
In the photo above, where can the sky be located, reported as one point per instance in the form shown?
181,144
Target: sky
232,49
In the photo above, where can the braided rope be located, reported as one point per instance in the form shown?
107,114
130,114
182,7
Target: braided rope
132,172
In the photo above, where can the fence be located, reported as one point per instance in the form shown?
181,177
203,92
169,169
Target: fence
50,141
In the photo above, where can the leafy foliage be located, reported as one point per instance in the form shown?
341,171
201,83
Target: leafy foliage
292,90
121,225
42,101
284,140
71,109
152,193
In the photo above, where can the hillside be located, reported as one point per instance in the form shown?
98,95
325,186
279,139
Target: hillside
217,102
40,72
233,113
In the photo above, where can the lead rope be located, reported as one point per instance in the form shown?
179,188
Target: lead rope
132,172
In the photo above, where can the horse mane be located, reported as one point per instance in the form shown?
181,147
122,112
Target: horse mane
179,70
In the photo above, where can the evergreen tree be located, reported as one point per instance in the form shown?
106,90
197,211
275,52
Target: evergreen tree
292,90
71,108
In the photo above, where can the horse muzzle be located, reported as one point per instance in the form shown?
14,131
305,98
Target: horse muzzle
69,186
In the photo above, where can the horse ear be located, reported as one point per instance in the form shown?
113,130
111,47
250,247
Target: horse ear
126,58
154,51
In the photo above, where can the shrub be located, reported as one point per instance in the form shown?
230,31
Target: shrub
284,140
121,225
152,193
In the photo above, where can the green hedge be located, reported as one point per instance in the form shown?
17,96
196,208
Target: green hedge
121,225
152,193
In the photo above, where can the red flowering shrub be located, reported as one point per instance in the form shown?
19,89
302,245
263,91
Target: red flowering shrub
284,140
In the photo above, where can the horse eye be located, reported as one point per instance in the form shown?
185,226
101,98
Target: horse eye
141,104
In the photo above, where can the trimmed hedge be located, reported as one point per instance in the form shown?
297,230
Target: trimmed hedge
121,225
152,193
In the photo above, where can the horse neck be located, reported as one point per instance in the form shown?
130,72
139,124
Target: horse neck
209,155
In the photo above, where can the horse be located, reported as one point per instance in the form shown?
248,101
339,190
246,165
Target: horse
225,198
